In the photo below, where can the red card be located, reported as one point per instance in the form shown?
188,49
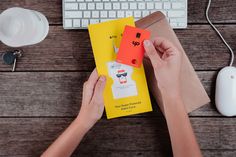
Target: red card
131,49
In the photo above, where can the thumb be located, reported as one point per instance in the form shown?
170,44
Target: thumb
98,92
152,53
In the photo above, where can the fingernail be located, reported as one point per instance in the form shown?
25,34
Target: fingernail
146,42
102,78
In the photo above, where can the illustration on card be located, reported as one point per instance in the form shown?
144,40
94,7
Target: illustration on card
123,85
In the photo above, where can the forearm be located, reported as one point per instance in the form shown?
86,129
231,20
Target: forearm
66,143
183,140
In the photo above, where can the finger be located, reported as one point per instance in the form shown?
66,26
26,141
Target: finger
98,91
89,87
93,77
152,53
164,45
145,55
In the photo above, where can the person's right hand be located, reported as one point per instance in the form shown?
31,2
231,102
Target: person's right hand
165,59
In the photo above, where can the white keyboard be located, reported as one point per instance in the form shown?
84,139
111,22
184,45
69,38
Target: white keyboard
78,14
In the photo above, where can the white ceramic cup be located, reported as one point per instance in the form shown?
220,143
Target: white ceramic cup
22,27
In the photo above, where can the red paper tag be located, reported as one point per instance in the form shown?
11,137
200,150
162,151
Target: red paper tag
131,49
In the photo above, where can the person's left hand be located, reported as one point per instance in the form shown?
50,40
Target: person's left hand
92,102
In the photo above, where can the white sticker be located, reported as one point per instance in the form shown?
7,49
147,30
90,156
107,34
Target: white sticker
123,85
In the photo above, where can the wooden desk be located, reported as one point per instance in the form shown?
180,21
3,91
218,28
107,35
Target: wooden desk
40,100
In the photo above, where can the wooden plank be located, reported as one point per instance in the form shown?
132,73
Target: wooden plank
59,94
41,94
206,153
144,136
222,11
65,50
204,48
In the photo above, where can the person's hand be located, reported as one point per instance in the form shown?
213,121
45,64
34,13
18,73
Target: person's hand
163,65
92,102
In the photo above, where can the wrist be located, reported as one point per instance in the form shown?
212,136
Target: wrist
82,122
171,100
171,94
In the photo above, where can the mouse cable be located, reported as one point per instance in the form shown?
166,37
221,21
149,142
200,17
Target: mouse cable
218,32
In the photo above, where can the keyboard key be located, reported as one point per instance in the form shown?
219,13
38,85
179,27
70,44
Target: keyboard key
150,5
107,6
145,13
137,13
176,20
82,6
73,14
99,6
68,23
128,13
182,24
93,21
178,5
158,5
103,14
116,6
133,6
95,14
112,14
176,13
91,6
120,14
76,23
84,22
104,20
87,14
167,5
141,5
71,6
124,6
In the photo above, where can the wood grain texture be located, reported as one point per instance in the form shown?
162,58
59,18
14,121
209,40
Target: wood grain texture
220,12
59,94
65,50
123,136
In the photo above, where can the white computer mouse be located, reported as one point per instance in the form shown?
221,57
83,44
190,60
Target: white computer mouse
225,95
